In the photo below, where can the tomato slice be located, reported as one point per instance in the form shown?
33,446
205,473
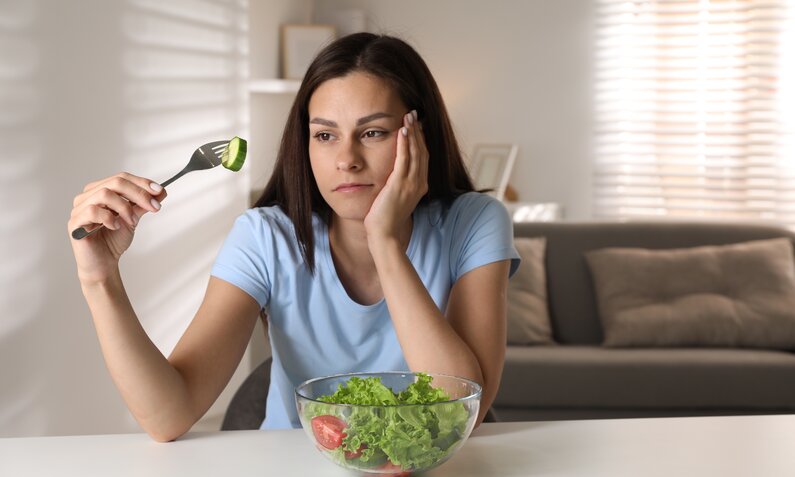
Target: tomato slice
357,454
329,431
398,470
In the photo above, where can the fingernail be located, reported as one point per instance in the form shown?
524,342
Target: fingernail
403,130
414,113
116,224
410,118
157,188
155,204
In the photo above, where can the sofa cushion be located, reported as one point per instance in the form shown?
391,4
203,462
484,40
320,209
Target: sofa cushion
572,304
597,377
528,317
739,295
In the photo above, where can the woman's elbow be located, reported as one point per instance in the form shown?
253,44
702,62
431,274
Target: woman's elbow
164,435
166,431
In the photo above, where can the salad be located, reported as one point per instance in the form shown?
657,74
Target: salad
389,432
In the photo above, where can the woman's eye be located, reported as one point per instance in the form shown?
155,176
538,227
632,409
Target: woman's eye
323,136
373,133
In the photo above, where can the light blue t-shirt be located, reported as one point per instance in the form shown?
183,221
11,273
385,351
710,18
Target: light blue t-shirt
315,328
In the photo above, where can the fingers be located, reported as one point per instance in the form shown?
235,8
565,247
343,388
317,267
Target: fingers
411,161
120,197
418,152
140,181
139,211
400,168
106,199
137,190
95,214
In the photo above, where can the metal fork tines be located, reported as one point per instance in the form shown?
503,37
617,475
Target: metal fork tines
205,157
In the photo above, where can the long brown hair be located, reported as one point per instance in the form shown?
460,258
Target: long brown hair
292,185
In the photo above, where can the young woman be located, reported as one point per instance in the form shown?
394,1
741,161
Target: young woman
368,251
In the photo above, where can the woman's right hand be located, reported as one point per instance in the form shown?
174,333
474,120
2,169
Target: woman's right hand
117,202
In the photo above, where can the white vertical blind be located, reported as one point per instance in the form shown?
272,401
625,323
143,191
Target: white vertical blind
695,105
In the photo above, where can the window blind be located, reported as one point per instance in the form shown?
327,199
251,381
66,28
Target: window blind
695,109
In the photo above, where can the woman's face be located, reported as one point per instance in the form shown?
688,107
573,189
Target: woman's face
353,125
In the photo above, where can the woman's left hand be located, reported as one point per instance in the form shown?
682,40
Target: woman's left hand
404,188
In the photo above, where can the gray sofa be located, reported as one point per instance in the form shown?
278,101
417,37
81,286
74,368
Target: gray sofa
578,378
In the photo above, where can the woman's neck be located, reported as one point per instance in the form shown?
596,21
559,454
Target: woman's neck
353,261
348,239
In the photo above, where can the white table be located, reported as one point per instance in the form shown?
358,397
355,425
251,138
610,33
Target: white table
672,447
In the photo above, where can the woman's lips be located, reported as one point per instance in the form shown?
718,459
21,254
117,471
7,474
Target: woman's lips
351,187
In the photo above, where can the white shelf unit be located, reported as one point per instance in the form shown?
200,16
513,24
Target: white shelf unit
270,103
274,86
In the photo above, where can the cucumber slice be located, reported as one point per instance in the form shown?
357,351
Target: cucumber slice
234,154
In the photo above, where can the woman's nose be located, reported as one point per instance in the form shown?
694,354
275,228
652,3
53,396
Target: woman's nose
348,158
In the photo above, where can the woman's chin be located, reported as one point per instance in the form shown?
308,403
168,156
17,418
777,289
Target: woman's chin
351,212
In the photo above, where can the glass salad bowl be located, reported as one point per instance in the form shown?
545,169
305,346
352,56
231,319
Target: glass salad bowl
392,423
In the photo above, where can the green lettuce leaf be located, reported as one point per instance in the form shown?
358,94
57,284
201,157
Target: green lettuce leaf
368,392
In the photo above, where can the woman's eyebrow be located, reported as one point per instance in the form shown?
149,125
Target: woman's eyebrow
324,122
359,122
372,117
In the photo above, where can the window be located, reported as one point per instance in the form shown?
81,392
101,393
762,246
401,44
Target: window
695,109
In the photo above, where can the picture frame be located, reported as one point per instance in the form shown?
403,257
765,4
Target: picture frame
491,166
300,43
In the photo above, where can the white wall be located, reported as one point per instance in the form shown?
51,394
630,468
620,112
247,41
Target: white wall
88,88
515,71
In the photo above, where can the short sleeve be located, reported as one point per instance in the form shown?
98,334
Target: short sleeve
483,234
242,258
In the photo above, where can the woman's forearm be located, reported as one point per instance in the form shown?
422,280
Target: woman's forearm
153,389
428,341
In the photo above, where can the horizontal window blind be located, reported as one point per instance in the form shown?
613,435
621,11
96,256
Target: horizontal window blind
695,109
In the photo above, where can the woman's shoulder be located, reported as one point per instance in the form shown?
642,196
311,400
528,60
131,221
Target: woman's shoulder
272,223
475,199
259,218
467,205
266,221
266,214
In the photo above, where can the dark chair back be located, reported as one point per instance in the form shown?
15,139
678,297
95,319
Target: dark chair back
246,410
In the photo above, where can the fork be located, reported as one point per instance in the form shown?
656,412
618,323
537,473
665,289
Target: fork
205,157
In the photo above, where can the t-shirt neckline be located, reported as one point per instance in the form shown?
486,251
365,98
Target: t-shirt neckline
326,250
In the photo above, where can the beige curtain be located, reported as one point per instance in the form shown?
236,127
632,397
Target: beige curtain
695,110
